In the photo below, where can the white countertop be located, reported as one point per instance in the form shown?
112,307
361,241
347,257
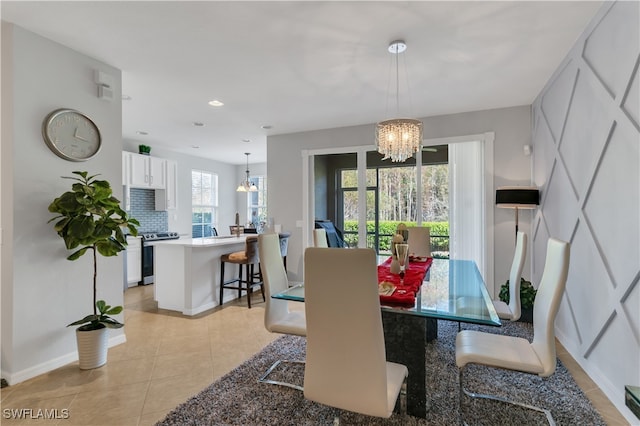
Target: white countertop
223,240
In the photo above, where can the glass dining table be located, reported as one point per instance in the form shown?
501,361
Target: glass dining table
453,290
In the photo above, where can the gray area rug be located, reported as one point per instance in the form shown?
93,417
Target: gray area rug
237,398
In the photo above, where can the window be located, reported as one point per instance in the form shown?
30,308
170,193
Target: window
392,197
204,203
257,203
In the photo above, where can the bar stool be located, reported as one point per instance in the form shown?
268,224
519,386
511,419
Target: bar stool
249,258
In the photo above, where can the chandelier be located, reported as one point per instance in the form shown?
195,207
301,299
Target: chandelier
398,138
247,185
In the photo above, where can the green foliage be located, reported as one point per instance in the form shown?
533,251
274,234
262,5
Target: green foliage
144,149
388,228
95,321
90,219
527,293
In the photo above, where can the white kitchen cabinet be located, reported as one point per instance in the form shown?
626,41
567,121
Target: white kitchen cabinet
134,260
146,171
167,199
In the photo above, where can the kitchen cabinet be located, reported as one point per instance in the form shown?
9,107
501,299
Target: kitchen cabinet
134,260
167,199
146,171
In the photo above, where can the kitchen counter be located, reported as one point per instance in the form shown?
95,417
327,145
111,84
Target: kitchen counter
223,240
187,272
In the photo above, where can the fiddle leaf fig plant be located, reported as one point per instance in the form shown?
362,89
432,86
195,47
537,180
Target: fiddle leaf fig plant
527,293
89,218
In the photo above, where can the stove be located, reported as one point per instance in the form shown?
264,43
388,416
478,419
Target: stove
157,236
147,252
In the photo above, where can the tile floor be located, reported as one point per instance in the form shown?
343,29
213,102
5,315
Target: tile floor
168,358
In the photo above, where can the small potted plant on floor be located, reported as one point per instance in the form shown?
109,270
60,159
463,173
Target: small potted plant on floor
89,218
527,297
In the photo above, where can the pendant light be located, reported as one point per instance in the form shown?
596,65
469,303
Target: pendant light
247,185
398,138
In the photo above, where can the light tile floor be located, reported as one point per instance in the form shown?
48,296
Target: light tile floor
167,359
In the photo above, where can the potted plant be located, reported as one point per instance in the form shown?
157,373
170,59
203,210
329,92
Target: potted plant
527,297
144,149
90,219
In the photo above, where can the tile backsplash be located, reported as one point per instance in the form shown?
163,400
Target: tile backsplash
143,204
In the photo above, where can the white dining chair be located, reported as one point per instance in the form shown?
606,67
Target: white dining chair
516,353
419,239
346,363
277,316
320,238
513,310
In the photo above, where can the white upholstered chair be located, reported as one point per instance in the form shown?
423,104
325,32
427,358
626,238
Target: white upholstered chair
320,238
277,316
419,241
515,353
346,363
512,310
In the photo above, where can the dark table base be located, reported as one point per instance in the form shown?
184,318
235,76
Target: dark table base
405,338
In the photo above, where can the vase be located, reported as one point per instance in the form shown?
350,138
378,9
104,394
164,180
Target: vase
92,347
394,268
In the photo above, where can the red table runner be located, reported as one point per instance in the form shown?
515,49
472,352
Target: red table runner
404,294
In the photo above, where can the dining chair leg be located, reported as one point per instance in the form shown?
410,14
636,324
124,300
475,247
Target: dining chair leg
463,392
263,378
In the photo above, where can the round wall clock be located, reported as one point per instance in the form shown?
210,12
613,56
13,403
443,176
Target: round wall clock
71,135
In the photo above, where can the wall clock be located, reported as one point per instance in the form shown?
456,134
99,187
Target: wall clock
71,135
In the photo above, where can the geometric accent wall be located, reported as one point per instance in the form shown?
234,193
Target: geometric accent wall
586,161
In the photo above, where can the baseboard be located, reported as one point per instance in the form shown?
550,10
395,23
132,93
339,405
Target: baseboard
200,308
52,364
616,396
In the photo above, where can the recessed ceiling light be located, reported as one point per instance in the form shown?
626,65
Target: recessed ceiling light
126,97
267,126
198,124
215,103
246,140
195,146
143,133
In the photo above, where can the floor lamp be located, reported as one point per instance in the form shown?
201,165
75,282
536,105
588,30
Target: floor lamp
517,197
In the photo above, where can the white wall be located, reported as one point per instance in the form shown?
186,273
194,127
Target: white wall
42,292
512,131
586,160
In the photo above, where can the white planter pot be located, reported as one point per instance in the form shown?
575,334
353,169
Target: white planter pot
92,348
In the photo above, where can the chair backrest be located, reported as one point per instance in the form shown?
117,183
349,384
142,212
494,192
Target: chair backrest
233,229
320,238
334,235
251,249
346,363
516,273
547,302
284,243
419,240
274,277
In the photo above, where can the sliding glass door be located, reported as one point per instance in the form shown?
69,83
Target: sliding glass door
366,197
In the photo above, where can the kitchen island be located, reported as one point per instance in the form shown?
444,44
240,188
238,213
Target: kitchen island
187,272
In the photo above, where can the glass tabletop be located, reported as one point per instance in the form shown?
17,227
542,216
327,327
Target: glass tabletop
453,290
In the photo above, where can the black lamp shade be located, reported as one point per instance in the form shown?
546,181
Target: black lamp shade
520,197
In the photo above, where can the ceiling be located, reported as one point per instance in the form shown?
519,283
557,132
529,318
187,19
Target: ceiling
306,65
